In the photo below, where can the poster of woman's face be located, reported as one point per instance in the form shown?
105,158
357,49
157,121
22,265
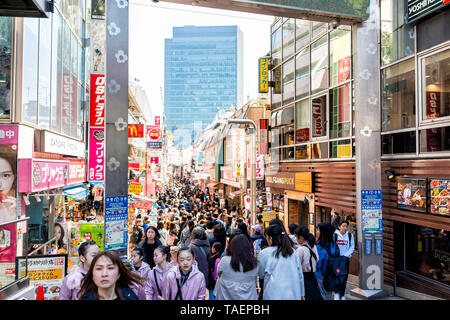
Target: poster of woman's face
8,178
5,238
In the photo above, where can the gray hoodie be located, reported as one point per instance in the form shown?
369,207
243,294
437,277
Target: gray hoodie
202,252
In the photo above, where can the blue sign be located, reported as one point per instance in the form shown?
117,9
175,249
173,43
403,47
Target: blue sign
371,211
154,144
368,246
378,246
116,223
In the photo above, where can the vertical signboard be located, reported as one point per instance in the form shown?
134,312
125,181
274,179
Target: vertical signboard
157,120
263,75
238,145
371,210
97,101
263,137
116,223
96,172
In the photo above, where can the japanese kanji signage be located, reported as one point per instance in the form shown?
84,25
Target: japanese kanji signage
263,137
135,188
371,209
97,103
36,175
47,271
238,143
259,166
154,137
77,171
146,205
157,120
263,75
9,134
116,223
96,154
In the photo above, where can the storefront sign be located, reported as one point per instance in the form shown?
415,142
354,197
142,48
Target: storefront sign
93,232
439,196
97,101
302,135
263,75
420,8
135,188
263,136
58,144
157,120
277,79
154,160
36,175
77,171
96,155
47,271
153,133
317,116
268,214
259,166
371,209
237,141
145,205
411,194
282,180
116,223
9,134
304,181
135,131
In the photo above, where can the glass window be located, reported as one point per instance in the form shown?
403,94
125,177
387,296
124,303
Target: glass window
288,82
276,46
277,24
287,135
340,56
398,96
302,121
301,33
435,139
319,109
45,41
340,112
56,72
319,150
319,64
397,37
427,252
286,116
288,38
436,85
74,55
302,74
287,153
341,149
319,28
397,143
302,152
275,138
5,67
274,155
30,69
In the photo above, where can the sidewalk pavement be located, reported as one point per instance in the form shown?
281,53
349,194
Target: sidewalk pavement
351,286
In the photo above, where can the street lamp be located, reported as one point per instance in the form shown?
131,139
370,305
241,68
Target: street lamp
251,123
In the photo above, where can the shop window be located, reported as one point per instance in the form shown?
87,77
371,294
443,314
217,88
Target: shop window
56,71
301,33
276,46
398,96
435,139
340,56
45,41
398,143
287,153
30,69
302,121
288,82
287,135
397,37
5,67
286,116
340,112
427,252
436,85
319,150
275,138
288,38
274,155
319,109
319,64
277,24
341,149
302,152
318,28
302,74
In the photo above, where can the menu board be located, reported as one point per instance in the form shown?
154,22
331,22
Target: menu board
411,194
439,196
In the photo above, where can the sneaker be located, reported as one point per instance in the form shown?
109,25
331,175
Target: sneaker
336,296
343,298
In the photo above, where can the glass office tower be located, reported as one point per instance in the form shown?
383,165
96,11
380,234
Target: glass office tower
203,74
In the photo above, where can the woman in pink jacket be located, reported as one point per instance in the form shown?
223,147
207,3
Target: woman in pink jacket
185,281
156,283
141,267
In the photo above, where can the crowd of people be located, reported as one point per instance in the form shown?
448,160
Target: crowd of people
202,249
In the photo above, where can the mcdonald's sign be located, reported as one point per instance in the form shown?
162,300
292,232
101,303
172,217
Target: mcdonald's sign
135,131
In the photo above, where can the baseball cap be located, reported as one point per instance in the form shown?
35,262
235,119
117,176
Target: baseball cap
257,228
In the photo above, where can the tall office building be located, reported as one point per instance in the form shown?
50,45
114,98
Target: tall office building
203,74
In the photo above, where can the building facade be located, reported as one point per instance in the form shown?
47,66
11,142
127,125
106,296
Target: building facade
203,73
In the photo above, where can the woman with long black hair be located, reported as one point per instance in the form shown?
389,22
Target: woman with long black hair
149,244
280,267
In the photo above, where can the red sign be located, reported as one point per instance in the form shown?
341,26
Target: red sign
147,205
157,120
302,135
36,175
344,69
153,133
433,104
97,102
77,171
154,160
135,131
263,137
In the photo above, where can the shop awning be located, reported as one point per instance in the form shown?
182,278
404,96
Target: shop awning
78,192
236,193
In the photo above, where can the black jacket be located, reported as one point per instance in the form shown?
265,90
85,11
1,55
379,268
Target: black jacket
202,252
126,293
148,251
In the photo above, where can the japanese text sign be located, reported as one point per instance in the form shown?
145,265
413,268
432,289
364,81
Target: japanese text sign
37,175
97,102
263,75
96,154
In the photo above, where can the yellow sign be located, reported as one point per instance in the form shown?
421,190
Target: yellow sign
344,150
135,189
303,181
44,274
263,75
267,216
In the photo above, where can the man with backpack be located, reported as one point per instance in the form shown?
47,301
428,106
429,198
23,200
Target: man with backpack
346,244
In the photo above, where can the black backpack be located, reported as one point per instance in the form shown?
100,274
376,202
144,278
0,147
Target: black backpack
337,268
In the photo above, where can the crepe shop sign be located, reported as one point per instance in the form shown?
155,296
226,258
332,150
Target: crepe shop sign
37,175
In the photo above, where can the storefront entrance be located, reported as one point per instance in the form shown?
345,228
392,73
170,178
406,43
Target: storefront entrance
298,212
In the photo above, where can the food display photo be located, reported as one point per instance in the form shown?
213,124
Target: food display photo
439,196
411,194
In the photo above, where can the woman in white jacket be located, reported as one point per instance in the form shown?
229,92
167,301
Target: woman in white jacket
346,244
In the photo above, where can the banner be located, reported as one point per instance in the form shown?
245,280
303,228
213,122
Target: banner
96,155
93,232
135,188
38,175
263,75
238,145
77,171
116,223
97,101
259,166
47,271
157,120
263,136
146,205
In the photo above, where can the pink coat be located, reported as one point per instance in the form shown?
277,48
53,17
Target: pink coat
72,284
151,291
193,289
144,270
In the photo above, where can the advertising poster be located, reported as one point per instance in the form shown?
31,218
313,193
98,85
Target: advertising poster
93,232
48,271
371,209
98,9
96,164
439,196
411,194
116,223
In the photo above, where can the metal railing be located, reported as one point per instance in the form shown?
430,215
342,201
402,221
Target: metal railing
44,245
